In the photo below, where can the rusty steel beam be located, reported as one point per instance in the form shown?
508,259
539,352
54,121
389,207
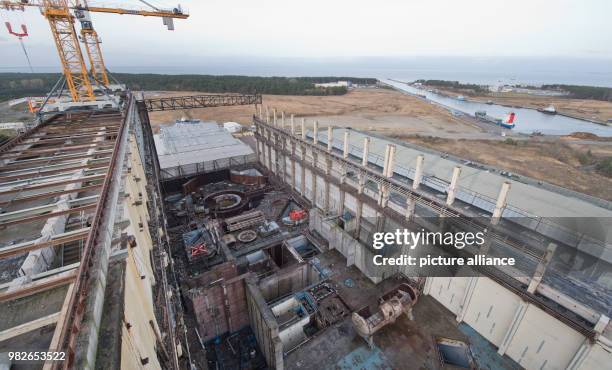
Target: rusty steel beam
49,195
65,238
38,173
39,286
68,136
50,140
51,151
200,101
53,184
54,159
48,215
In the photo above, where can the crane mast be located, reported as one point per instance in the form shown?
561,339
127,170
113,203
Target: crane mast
61,14
66,40
90,39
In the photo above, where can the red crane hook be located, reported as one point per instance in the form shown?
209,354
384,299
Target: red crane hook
18,34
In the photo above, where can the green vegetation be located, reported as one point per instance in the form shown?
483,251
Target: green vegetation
605,167
454,85
510,141
583,92
14,85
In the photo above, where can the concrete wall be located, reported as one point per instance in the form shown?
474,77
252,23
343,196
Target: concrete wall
285,282
140,341
219,301
530,336
263,324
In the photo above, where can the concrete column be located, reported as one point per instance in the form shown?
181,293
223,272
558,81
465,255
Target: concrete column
315,132
539,272
283,120
366,151
345,148
270,158
274,117
328,164
501,202
416,182
267,115
292,126
452,188
514,325
358,215
260,112
314,180
280,160
257,152
292,162
303,172
390,161
330,138
467,297
303,129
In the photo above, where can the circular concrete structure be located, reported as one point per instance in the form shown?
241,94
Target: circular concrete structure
226,202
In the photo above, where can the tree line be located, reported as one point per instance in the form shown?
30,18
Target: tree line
15,85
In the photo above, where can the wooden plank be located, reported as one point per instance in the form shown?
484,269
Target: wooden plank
39,286
55,341
29,326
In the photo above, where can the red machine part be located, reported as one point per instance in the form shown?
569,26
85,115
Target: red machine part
198,250
18,34
298,214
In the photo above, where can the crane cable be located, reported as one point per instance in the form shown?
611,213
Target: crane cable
25,51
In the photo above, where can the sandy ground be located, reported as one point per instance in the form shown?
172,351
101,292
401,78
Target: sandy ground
556,162
368,109
387,112
595,110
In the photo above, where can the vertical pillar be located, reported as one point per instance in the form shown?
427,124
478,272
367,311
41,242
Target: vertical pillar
274,116
501,203
303,129
328,165
315,133
345,155
539,272
366,151
292,162
270,153
314,179
345,148
267,115
257,151
292,126
452,188
330,138
260,112
514,325
283,120
416,181
303,172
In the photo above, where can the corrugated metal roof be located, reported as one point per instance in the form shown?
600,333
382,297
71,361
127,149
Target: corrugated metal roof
187,143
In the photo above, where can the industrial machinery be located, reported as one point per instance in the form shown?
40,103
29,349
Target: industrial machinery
296,217
391,306
87,89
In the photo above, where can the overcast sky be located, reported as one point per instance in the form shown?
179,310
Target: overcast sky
339,28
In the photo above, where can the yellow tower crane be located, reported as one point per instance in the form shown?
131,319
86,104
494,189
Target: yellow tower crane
61,22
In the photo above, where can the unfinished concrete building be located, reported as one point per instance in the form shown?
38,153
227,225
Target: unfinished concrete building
127,250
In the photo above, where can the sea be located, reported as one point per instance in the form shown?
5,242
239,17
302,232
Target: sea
479,70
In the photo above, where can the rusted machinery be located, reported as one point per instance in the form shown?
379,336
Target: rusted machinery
296,217
391,306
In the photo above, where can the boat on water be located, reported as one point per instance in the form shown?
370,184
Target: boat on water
508,122
489,102
548,110
460,97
